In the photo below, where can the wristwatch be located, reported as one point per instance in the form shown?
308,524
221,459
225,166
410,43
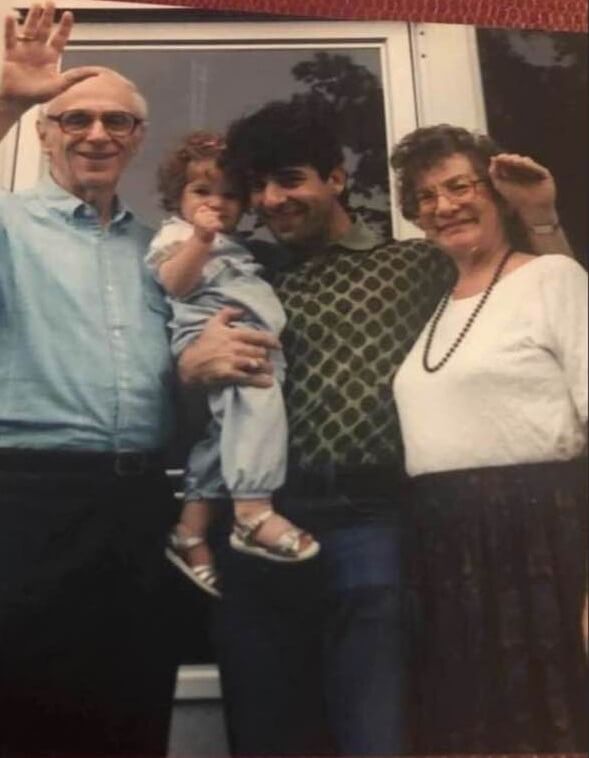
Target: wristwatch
549,228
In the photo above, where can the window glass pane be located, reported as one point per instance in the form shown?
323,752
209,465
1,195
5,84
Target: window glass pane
193,88
206,89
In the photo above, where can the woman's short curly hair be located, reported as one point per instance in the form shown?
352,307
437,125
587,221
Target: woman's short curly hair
172,174
423,148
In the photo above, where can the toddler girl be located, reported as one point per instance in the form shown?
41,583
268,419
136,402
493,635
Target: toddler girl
204,268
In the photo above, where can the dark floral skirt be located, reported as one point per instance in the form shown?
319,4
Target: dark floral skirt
498,580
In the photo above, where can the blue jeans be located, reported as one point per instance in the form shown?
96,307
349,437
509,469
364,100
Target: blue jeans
312,656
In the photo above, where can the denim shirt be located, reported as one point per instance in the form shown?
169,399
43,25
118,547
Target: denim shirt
84,354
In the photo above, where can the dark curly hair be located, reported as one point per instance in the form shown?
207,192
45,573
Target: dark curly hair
298,132
423,148
172,174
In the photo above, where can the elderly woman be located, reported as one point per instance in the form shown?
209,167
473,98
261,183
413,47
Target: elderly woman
493,407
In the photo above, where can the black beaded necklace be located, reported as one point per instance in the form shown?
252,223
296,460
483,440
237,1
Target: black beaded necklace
465,329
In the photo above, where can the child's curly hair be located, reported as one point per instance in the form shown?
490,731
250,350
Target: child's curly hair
172,174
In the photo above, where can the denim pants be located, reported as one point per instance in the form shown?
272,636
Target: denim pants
312,655
244,450
245,447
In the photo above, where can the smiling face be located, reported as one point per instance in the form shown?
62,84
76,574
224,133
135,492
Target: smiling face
91,163
207,185
457,210
299,207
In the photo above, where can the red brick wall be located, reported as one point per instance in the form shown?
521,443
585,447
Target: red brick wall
558,15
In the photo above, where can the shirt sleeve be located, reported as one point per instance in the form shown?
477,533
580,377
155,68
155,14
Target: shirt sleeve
3,247
564,300
441,269
3,195
162,246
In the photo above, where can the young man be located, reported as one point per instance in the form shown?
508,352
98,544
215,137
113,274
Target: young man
313,658
85,410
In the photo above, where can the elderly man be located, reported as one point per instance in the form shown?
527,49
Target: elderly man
85,410
313,657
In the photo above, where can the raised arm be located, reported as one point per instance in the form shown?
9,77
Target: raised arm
30,72
529,189
182,271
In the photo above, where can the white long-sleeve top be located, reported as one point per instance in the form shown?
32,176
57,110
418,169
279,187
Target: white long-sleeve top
515,390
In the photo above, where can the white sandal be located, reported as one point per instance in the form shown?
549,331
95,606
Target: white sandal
286,549
204,575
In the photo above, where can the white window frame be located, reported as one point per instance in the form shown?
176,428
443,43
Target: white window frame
430,72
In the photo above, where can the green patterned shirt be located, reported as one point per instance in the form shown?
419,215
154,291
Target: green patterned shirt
354,311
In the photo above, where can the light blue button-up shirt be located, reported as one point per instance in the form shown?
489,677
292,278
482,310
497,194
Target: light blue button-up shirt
84,355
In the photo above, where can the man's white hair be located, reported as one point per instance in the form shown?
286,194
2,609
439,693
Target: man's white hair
138,98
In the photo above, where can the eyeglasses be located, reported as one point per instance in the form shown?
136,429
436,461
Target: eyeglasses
78,122
455,190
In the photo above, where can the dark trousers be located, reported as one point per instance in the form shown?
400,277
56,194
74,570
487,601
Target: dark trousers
313,656
87,664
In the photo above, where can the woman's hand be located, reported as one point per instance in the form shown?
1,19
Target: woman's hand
30,74
228,355
526,186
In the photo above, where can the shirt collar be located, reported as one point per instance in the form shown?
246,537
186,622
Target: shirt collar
72,207
360,237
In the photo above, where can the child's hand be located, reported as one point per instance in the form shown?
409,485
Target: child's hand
207,222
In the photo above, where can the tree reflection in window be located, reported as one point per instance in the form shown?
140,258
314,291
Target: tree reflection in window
356,96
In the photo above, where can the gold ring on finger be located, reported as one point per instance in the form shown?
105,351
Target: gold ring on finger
26,37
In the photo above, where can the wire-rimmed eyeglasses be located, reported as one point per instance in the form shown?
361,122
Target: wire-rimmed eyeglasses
78,121
455,190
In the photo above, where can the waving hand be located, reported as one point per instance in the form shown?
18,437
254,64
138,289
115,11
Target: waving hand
30,74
